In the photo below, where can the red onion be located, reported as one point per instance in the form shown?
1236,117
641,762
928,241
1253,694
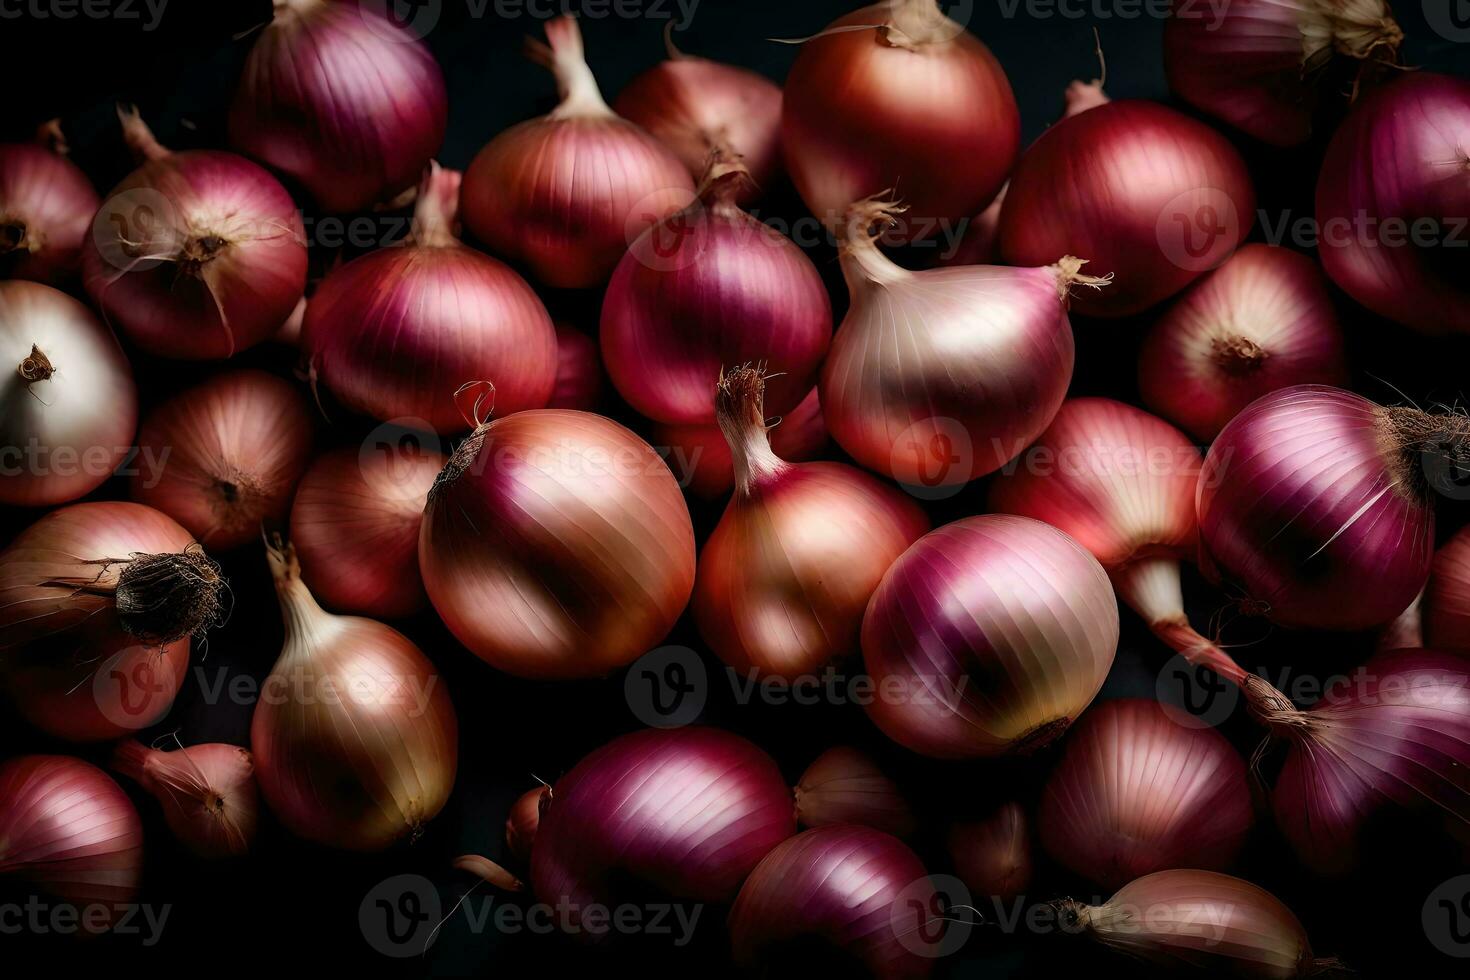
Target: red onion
229,454
1137,792
992,856
354,735
578,371
1264,320
1392,202
68,414
785,576
845,786
988,637
446,313
1447,597
1259,64
753,293
980,243
1145,192
986,356
1313,503
522,195
207,792
897,95
855,892
556,543
97,604
69,831
355,524
46,209
524,821
195,255
342,97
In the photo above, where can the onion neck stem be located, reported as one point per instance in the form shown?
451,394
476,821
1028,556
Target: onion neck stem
912,23
138,137
740,412
724,178
49,134
1082,96
299,609
1068,272
862,260
1152,588
563,54
436,209
131,758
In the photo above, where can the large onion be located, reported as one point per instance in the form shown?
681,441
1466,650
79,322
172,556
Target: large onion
207,792
46,209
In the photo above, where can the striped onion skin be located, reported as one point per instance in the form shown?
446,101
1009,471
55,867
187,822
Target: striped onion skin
844,785
565,194
69,831
854,891
1446,606
207,792
1312,503
992,855
523,822
46,209
988,637
1137,792
579,378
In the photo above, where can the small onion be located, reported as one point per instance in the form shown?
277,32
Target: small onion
992,855
988,637
579,381
528,194
207,792
68,413
228,452
46,210
843,785
980,243
524,821
1447,597
700,456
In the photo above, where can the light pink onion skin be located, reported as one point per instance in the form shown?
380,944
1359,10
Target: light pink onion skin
579,376
524,821
1446,603
69,831
992,855
700,457
347,102
992,634
46,209
1402,155
1264,320
844,785
1142,191
207,792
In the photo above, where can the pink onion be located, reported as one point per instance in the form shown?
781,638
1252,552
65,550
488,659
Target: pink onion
524,821
752,292
988,637
579,380
528,193
195,255
992,855
207,792
1447,596
1264,320
46,209
1393,200
392,332
342,97
843,785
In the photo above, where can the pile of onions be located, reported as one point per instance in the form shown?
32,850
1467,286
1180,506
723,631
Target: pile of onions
1137,792
987,356
1264,320
1202,920
69,831
1260,66
1145,192
578,371
355,524
752,292
1446,606
843,785
97,604
342,97
207,792
195,255
844,892
69,410
895,95
227,455
392,333
988,637
1314,503
354,736
524,821
46,209
992,855
785,576
527,194
555,543
697,107
1392,200
700,456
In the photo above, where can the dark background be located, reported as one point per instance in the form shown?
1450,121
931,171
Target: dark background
295,907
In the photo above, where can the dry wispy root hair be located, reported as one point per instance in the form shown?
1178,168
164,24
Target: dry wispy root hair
1424,442
163,598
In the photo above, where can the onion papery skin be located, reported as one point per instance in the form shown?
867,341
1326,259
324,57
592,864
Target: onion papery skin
1446,604
355,524
895,107
1309,505
844,785
993,634
1201,920
992,855
1258,64
579,380
700,456
207,792
857,892
230,453
1262,321
1143,191
75,664
393,332
77,401
348,102
354,736
46,210
556,544
683,814
524,821
521,196
1402,157
1138,792
70,832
